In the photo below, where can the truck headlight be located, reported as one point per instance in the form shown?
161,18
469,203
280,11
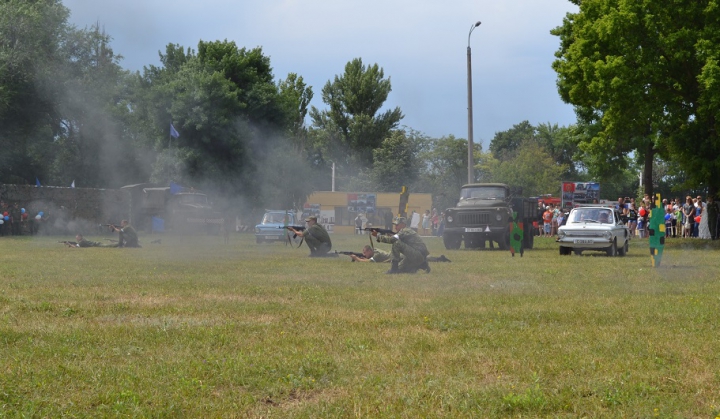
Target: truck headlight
449,219
561,234
607,234
498,217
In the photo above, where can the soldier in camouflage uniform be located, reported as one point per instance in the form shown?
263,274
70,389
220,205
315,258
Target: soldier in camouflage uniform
127,235
408,250
377,255
372,255
316,238
81,242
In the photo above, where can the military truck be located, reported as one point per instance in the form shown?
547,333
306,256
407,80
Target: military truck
187,211
484,214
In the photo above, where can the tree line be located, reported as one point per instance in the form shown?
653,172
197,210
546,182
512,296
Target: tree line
70,112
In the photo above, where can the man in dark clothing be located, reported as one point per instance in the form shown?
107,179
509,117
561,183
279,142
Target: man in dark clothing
316,238
713,211
127,235
15,219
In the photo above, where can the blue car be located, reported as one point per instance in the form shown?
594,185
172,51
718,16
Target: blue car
269,230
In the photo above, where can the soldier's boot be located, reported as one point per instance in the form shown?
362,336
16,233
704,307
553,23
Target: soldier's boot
425,266
394,268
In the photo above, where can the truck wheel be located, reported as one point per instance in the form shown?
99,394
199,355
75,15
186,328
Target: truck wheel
564,251
528,239
504,242
452,241
258,240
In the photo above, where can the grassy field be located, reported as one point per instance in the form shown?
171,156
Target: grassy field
195,328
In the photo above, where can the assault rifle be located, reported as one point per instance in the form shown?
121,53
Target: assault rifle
69,243
360,255
110,225
298,228
379,230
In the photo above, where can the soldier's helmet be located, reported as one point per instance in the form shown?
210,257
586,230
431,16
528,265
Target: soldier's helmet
400,220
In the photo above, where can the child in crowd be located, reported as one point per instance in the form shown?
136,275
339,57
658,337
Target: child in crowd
547,221
668,220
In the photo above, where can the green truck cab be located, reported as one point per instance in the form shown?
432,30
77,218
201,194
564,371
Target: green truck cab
484,213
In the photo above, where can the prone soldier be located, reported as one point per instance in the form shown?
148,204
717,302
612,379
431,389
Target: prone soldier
372,255
80,241
376,255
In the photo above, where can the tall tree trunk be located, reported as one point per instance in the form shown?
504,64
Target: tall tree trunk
648,169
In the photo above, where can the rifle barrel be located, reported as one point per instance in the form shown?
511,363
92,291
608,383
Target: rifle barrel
379,230
298,228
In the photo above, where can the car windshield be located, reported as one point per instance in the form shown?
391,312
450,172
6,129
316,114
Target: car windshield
591,215
276,218
483,192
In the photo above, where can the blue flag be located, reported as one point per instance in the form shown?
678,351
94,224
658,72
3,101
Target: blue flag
158,224
37,183
173,132
175,188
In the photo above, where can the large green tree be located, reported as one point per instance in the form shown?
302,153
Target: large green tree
559,142
643,78
31,38
397,162
505,144
95,147
531,168
352,127
444,169
61,101
241,132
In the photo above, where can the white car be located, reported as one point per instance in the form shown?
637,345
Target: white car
594,228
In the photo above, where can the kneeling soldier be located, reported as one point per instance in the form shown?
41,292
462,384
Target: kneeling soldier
408,250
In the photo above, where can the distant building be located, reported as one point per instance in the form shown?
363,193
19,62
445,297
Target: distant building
337,210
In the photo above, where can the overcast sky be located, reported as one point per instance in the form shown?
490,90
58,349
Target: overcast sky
420,44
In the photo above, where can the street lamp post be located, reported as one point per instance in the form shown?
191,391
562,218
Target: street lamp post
471,174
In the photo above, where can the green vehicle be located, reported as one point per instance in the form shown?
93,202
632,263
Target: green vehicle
484,214
183,212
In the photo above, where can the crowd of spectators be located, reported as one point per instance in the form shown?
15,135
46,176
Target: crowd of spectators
16,221
689,218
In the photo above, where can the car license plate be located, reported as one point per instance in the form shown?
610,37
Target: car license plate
271,237
581,241
474,230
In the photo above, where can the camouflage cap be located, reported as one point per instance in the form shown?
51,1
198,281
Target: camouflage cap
400,220
312,217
